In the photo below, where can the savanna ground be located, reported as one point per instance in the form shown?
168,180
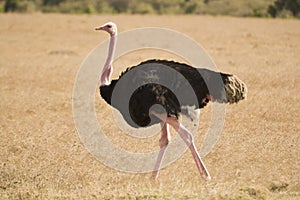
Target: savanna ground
42,157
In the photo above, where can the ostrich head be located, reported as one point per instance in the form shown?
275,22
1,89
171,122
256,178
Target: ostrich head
109,27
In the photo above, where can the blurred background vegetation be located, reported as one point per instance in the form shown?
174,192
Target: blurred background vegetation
243,8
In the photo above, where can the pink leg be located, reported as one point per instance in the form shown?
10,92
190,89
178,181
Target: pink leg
189,140
163,143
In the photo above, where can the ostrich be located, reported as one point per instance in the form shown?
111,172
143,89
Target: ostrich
228,90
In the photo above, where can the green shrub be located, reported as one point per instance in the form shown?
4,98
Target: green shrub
256,8
90,9
103,7
285,8
136,7
19,6
11,5
119,6
191,8
52,2
2,7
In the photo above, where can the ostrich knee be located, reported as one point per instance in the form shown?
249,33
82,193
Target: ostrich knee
182,131
185,135
165,137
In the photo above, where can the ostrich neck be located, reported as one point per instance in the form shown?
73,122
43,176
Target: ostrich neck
107,70
111,51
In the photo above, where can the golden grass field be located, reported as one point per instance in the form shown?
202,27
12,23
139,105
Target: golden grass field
42,157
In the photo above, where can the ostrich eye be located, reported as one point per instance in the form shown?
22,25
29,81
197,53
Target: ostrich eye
109,26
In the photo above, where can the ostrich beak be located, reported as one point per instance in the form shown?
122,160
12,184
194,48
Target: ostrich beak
99,28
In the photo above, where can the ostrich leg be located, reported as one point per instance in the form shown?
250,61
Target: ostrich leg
163,143
189,140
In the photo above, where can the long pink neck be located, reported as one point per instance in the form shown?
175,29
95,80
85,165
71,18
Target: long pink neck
107,70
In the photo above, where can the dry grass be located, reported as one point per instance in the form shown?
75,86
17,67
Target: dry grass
41,156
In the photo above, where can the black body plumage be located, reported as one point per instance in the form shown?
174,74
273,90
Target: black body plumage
171,85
